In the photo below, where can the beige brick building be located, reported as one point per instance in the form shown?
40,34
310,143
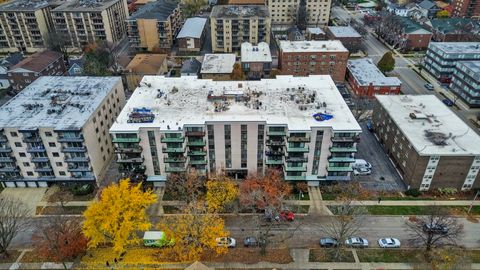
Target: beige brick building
155,26
57,131
285,12
231,25
84,22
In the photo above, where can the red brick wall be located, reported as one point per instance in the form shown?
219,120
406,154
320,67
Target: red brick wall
18,81
418,41
371,90
288,66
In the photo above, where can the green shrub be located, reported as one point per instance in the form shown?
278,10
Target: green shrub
413,192
447,191
81,190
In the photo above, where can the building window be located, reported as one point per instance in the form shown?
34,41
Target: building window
30,173
228,146
18,144
55,154
48,134
211,147
62,173
243,145
59,164
51,144
22,154
26,164
153,152
317,152
260,148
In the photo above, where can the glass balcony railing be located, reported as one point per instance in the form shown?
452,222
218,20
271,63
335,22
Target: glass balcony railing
274,161
297,149
341,159
290,168
343,149
198,162
339,168
175,169
173,150
196,143
172,139
126,140
197,153
175,160
295,177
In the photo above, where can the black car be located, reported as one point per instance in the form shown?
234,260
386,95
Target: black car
328,242
435,228
251,242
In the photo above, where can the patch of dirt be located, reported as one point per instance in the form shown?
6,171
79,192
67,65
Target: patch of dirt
251,256
472,219
13,255
31,257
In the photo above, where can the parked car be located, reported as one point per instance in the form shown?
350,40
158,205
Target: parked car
389,242
328,242
226,242
362,171
287,215
429,87
251,242
356,242
369,125
435,228
362,163
448,102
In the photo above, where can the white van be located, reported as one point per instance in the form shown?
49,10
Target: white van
362,163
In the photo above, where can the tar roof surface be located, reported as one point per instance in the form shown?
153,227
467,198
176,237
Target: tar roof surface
218,63
86,5
37,62
159,10
192,28
239,11
24,5
472,66
176,102
366,72
434,117
79,97
312,46
344,31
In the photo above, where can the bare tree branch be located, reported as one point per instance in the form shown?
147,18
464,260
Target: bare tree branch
13,219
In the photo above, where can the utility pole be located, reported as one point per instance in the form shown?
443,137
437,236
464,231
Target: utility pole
474,199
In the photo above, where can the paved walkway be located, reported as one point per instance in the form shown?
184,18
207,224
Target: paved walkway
317,205
409,203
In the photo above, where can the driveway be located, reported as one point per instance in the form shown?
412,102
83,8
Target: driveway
384,175
30,197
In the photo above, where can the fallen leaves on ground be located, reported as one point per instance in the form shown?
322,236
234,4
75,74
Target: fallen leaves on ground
251,256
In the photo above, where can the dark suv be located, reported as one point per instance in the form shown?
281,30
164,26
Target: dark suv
435,228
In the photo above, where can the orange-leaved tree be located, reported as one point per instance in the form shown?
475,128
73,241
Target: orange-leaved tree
118,216
221,191
194,233
264,192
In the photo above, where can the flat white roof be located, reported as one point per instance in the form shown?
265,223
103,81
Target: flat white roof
57,102
218,63
286,100
259,53
457,47
366,72
315,30
192,28
343,31
436,131
312,46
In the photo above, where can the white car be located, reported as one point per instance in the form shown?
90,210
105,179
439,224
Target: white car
226,242
356,242
389,242
362,171
362,163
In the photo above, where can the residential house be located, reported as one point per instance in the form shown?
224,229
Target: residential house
191,67
191,36
455,29
403,33
428,8
142,65
75,66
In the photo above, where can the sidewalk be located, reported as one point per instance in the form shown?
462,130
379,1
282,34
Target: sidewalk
408,203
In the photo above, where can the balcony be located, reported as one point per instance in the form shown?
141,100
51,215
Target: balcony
126,140
173,150
276,133
343,149
74,149
297,149
7,159
295,178
70,139
196,143
43,169
275,143
79,169
290,168
198,162
195,133
36,149
344,139
340,169
197,153
120,150
274,161
296,159
39,159
84,177
175,160
130,160
3,139
9,169
298,139
341,159
338,178
172,139
174,169
77,159
32,139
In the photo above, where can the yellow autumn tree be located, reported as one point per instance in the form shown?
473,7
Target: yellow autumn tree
118,216
221,191
194,233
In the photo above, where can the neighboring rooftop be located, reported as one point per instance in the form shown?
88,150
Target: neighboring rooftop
426,4
11,59
457,47
259,53
192,28
191,66
287,100
146,63
471,66
410,26
312,46
24,5
218,63
37,62
61,104
430,126
315,30
159,10
455,25
246,2
344,31
239,11
366,72
86,5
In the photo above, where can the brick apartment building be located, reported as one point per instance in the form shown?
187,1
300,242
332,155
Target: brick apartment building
256,60
403,33
466,8
455,30
367,80
430,145
46,63
192,34
303,58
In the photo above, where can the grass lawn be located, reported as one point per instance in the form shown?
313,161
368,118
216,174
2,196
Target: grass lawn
13,255
327,255
252,255
387,255
474,255
306,197
299,209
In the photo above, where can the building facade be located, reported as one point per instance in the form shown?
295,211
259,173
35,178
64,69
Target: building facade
46,63
155,26
367,80
300,126
56,131
349,37
466,82
403,33
429,144
303,58
191,36
256,60
25,25
218,66
441,57
466,8
455,30
232,25
284,13
84,22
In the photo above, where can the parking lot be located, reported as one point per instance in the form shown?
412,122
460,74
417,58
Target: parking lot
384,175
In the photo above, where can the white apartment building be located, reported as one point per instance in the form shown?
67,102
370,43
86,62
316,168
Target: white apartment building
300,125
284,13
56,130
